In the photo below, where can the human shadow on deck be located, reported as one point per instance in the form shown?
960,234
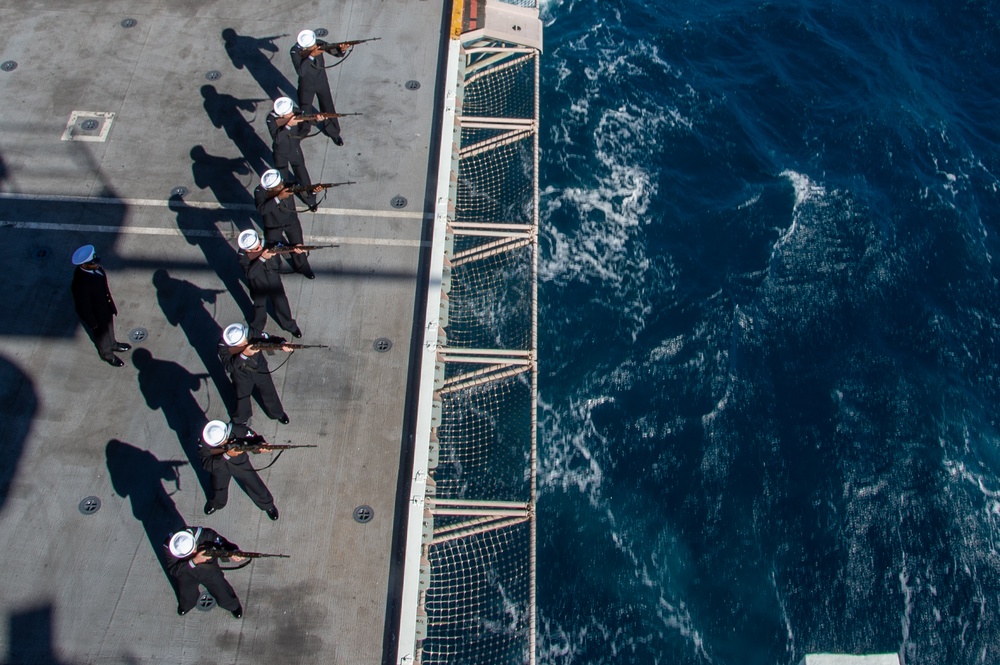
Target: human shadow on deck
249,53
220,175
198,227
226,113
30,638
18,405
138,475
183,305
169,387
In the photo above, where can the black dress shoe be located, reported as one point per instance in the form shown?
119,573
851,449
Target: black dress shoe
181,611
209,508
238,612
122,346
283,419
338,141
115,362
297,334
272,512
309,274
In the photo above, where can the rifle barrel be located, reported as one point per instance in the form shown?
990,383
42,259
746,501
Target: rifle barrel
219,552
308,248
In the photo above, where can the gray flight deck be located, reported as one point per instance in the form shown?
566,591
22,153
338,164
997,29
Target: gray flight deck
161,197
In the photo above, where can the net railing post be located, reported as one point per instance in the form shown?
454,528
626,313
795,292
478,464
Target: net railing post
533,630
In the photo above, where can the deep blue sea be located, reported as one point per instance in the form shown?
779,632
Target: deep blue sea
770,331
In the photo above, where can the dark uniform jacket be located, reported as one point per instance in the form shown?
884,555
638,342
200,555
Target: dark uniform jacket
263,276
286,142
203,536
235,363
92,297
213,461
244,371
312,72
275,213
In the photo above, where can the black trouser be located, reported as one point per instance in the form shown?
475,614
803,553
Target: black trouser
268,397
282,311
246,477
103,337
290,235
212,577
329,127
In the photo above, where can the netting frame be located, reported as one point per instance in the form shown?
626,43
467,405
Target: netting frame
448,370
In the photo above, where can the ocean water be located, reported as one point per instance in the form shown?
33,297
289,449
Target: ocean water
770,331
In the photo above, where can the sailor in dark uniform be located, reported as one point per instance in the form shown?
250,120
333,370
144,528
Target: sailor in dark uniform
247,367
276,207
309,64
94,304
190,567
231,464
287,132
263,270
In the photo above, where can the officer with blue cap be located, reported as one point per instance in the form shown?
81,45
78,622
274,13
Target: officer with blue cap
94,304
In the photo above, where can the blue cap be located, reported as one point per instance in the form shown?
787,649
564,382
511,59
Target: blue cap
83,255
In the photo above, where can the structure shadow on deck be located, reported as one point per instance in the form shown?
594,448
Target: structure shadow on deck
38,289
30,638
18,405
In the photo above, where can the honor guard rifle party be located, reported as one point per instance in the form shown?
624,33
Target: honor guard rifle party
195,555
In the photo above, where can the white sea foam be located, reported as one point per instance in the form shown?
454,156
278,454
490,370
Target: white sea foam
749,202
667,349
568,462
592,231
805,189
550,10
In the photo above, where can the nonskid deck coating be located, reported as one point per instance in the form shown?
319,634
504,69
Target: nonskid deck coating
88,588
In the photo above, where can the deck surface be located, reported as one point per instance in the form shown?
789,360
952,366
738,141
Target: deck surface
189,113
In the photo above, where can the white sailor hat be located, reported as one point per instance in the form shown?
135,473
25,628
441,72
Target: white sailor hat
84,254
182,544
248,239
216,432
306,38
283,106
235,334
270,179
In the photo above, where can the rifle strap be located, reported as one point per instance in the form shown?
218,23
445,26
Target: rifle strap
270,465
243,564
289,354
318,201
340,61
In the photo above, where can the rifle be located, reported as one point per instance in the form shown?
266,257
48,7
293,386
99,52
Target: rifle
312,117
302,189
253,444
333,48
316,117
268,345
280,249
219,553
